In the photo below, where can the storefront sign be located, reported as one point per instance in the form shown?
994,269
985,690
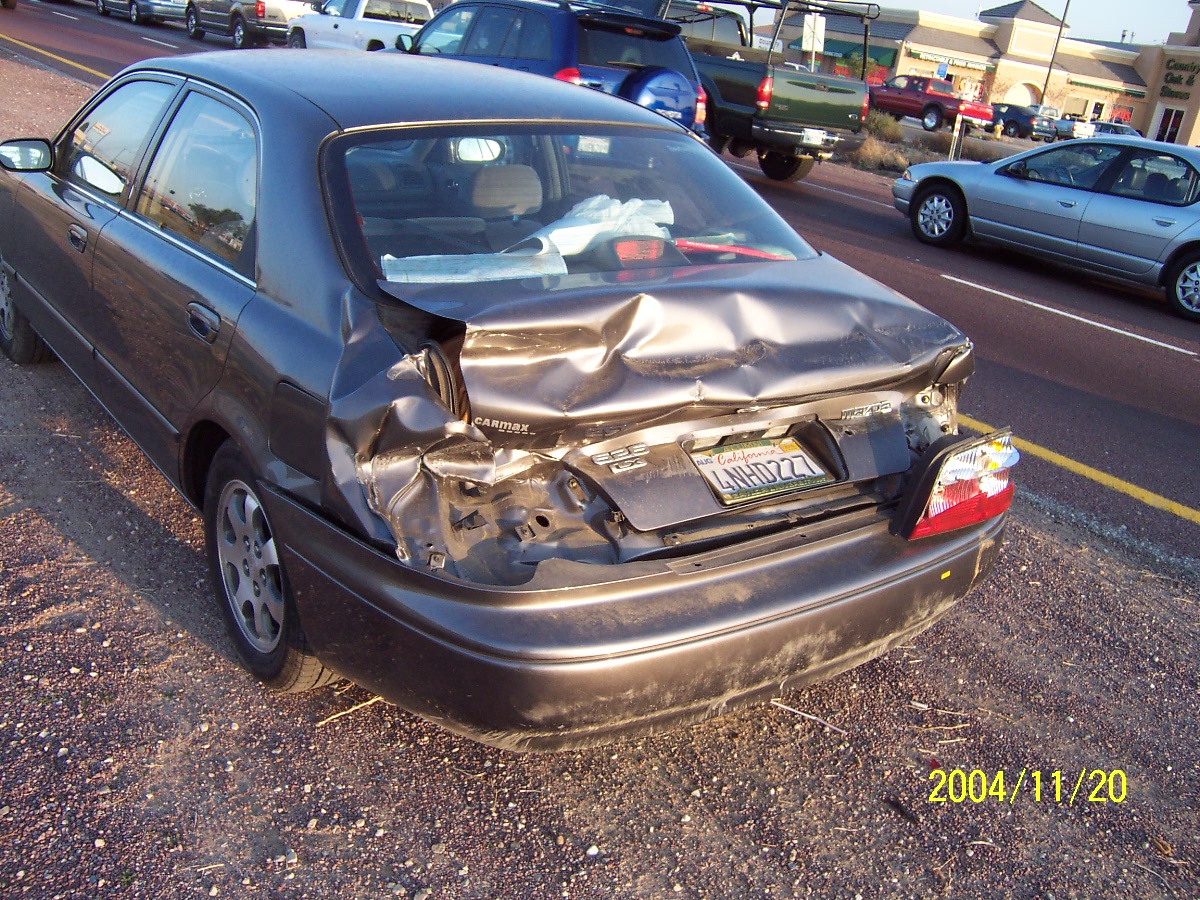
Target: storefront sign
952,60
1179,74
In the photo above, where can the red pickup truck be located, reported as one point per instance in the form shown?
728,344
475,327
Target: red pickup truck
929,99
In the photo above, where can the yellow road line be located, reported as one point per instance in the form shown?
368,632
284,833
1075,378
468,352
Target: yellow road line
1124,487
65,62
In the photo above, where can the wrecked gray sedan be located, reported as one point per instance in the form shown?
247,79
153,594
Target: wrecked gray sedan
502,397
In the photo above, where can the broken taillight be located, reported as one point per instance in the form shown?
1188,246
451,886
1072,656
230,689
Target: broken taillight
701,105
260,10
972,485
571,76
766,88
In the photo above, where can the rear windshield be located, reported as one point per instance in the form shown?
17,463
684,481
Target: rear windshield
459,204
940,87
600,45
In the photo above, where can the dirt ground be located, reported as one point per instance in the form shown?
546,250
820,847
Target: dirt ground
137,760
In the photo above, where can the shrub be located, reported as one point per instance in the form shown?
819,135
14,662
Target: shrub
883,127
874,154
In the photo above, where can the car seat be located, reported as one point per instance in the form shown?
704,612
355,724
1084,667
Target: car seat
504,197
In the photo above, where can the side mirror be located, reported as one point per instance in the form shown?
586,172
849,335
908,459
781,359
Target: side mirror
404,43
33,155
1016,170
318,6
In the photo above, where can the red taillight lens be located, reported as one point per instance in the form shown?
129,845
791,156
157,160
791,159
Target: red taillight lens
260,10
643,250
766,88
972,486
866,107
569,75
701,105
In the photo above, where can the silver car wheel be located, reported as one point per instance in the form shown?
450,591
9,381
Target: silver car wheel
936,216
8,310
1187,287
250,570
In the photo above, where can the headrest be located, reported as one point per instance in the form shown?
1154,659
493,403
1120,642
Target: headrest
500,191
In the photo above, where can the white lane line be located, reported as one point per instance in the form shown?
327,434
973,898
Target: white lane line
820,187
64,15
160,43
1067,315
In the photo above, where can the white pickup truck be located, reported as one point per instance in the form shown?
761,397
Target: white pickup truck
357,24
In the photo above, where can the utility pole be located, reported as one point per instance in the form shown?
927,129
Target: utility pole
1054,52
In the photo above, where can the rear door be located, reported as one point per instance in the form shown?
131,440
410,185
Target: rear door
174,272
60,214
1150,203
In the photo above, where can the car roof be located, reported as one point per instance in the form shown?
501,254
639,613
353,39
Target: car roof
363,89
1191,154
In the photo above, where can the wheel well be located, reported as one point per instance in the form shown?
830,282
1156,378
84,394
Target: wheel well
1185,250
203,441
929,106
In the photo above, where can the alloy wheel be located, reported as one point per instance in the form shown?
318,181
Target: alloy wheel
936,215
1187,287
8,311
250,571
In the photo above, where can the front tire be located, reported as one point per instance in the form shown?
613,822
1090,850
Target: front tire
18,340
784,166
248,579
931,118
101,8
296,39
939,216
192,24
135,13
1183,287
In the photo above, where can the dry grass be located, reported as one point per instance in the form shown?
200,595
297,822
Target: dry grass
882,126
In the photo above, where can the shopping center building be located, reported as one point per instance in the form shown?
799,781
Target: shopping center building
1020,53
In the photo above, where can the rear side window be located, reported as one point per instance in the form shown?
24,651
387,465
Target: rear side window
491,31
203,183
601,45
533,37
1159,178
102,149
940,87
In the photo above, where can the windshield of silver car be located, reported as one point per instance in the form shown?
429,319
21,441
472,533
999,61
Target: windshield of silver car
471,204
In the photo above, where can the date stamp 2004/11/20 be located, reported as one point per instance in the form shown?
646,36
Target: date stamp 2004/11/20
977,786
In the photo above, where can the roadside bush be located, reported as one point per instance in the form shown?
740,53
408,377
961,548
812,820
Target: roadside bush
876,155
883,127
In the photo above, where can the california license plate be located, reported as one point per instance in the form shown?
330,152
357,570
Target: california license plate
762,467
812,137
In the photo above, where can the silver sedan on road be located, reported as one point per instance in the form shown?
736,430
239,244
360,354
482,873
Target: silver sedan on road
1121,207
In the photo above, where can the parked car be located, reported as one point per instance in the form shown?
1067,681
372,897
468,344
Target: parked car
507,400
1114,128
248,22
357,24
1072,126
641,59
931,100
1122,207
1022,121
141,12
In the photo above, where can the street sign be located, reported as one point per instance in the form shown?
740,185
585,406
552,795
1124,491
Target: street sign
813,39
942,70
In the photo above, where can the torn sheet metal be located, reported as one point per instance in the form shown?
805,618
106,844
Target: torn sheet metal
552,366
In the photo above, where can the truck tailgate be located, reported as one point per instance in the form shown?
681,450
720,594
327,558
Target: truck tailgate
819,101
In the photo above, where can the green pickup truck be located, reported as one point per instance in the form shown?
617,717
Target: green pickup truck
758,102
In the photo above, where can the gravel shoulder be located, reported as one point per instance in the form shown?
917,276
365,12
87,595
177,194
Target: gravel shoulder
137,760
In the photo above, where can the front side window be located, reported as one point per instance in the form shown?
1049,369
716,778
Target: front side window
202,185
101,151
1159,178
473,205
1074,165
445,35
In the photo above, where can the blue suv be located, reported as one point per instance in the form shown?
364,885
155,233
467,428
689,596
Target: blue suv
609,49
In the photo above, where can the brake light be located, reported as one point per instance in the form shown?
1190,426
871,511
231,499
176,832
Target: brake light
766,88
701,105
866,107
972,486
260,10
639,250
571,76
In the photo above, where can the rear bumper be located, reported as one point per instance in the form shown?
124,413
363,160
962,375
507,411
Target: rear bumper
657,645
793,139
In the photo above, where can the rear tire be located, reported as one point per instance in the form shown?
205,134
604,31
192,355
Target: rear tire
1011,129
240,34
939,216
931,118
296,39
100,7
18,340
249,582
192,23
784,166
1183,287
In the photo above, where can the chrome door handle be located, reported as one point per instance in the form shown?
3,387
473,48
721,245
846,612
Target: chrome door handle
203,321
1066,203
1165,223
78,236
